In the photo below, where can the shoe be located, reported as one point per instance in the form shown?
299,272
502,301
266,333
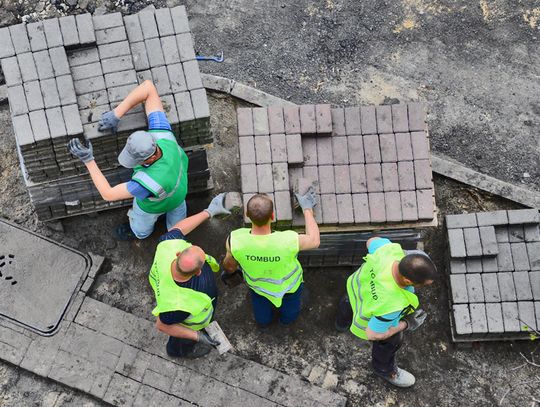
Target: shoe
123,232
304,298
198,351
340,328
401,378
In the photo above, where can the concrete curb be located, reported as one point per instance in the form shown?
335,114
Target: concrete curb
441,165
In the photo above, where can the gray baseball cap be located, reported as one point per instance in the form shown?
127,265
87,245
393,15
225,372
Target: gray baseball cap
139,146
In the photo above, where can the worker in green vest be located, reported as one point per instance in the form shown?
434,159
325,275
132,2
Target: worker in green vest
159,182
381,303
182,277
268,260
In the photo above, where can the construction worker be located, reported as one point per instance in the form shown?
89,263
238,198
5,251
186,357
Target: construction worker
268,260
159,181
184,285
381,303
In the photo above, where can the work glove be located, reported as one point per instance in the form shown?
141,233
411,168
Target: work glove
216,206
415,319
204,339
85,154
308,200
108,121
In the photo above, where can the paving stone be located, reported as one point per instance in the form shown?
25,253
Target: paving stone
518,216
374,178
340,154
295,175
456,243
420,145
519,255
489,264
526,316
18,43
41,353
422,174
390,177
185,47
85,27
345,209
27,67
262,150
184,107
119,93
43,65
159,75
326,179
148,24
68,27
490,283
276,120
494,318
150,396
338,121
264,178
406,176
260,122
128,77
537,312
522,285
107,21
282,200
133,362
409,209
464,220
295,153
342,179
309,150
180,19
400,121
329,209
462,319
110,35
92,99
473,265
89,85
323,119
34,98
504,259
532,233
388,148
86,71
417,116
11,71
280,175
425,203
533,250
510,317
352,121
489,241
516,234
478,318
501,232
17,100
244,120
404,146
492,218
393,207
55,118
291,115
371,148
361,208
472,242
247,150
506,286
60,62
369,120
308,124
358,179
324,151
356,149
384,119
475,290
278,146
117,64
121,391
22,129
377,212
72,120
140,57
13,345
133,28
164,21
36,35
122,48
458,266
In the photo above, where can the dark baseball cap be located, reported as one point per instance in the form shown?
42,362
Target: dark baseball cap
139,147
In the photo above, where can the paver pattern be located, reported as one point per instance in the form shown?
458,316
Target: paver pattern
63,73
371,164
495,271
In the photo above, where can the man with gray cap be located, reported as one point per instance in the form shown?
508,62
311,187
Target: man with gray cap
159,181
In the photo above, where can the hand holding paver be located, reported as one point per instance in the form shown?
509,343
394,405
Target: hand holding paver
85,154
216,206
415,320
308,200
108,121
206,340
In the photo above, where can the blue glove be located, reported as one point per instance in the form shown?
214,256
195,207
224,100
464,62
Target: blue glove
85,154
108,121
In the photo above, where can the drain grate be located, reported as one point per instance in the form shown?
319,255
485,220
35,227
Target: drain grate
38,278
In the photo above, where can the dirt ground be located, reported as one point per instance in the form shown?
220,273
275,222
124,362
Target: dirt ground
446,375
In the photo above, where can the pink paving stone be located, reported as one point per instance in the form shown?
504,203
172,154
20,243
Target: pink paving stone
295,173
264,178
352,121
338,121
245,122
417,116
358,178
309,150
262,150
326,179
420,145
291,115
276,120
280,175
422,173
404,147
374,177
312,173
295,154
393,207
390,177
372,150
278,145
424,199
384,119
260,121
369,121
377,211
323,117
388,147
308,124
406,176
356,149
246,146
409,210
248,175
340,151
345,209
400,121
329,209
361,208
324,151
283,207
342,179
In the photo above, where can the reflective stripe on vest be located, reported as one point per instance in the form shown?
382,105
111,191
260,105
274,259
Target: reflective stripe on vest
279,294
358,304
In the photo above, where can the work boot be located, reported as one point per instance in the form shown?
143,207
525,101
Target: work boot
340,328
199,350
123,232
401,378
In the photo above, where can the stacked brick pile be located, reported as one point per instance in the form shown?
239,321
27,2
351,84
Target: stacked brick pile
371,164
494,272
62,73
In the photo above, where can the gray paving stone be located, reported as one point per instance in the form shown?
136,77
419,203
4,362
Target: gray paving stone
55,118
338,121
404,147
133,28
384,119
27,67
506,286
490,283
374,178
280,175
133,362
193,76
110,35
185,47
278,144
22,129
371,148
377,212
19,40
36,35
107,21
246,146
533,250
475,290
244,120
501,232
522,285
345,209
458,266
390,177
12,73
262,150
92,99
534,276
516,234
85,28
465,220
417,116
312,173
282,201
200,103
393,207
60,62
422,174
72,120
510,317
295,153
504,258
368,119
532,233
121,391
264,178
356,149
13,345
473,265
352,121
489,241
462,319
478,318
406,176
41,353
358,178
164,21
148,395
519,256
324,150
148,24
494,318
308,124
295,175
160,78
17,100
342,179
89,85
340,154
388,147
420,145
86,71
323,117
409,208
180,20
472,242
183,103
527,320
492,218
518,216
326,179
119,93
456,243
120,48
34,98
329,209
68,27
291,115
490,265
361,208
140,57
170,50
309,150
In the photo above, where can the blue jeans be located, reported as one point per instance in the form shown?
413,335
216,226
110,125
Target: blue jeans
288,312
142,223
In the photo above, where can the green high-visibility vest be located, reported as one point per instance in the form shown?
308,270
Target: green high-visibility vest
269,262
373,291
170,296
166,178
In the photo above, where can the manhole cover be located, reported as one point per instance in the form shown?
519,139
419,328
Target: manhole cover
37,278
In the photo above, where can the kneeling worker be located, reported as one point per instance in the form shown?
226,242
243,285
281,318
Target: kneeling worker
381,303
184,286
269,259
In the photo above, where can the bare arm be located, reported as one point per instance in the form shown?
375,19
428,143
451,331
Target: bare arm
229,262
311,239
176,330
107,192
375,336
189,224
145,93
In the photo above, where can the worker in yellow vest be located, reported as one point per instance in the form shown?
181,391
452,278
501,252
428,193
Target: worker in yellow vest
381,303
269,261
184,285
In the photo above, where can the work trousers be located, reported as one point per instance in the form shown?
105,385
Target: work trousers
179,347
383,353
263,309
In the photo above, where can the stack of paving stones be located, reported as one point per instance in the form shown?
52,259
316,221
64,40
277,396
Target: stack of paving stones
494,273
63,73
371,164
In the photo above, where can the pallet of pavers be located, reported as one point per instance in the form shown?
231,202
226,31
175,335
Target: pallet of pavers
371,163
63,73
494,274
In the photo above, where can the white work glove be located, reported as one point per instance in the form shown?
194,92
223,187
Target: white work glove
216,206
415,320
308,200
